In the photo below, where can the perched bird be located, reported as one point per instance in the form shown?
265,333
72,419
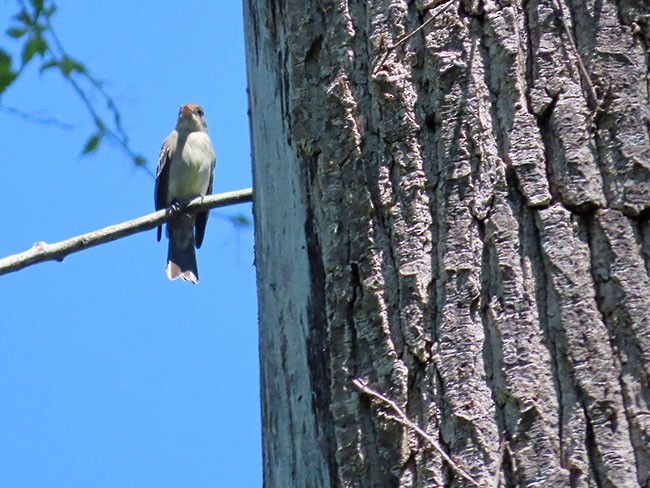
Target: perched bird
185,171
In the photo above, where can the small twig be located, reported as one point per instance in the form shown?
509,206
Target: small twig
36,118
402,40
41,251
513,461
584,75
403,419
497,470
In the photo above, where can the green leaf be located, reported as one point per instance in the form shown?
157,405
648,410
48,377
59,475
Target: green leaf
139,161
16,32
7,75
23,16
34,45
240,220
48,64
93,143
69,65
37,4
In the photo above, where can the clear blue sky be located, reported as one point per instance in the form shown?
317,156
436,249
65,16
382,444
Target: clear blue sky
110,374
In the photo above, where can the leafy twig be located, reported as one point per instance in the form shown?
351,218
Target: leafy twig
33,23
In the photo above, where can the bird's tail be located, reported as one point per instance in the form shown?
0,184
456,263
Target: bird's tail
181,257
181,263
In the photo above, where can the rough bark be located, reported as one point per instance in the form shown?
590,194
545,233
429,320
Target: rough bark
461,220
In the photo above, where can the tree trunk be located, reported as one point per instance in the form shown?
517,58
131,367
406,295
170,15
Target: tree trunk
461,221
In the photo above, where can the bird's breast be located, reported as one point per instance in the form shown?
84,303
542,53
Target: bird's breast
190,168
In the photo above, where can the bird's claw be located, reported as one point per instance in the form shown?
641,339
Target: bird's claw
175,207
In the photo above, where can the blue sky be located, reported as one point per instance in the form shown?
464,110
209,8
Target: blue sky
110,374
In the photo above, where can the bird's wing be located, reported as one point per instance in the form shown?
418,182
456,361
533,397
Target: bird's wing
202,217
162,174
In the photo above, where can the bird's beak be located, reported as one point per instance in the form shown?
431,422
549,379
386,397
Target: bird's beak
186,111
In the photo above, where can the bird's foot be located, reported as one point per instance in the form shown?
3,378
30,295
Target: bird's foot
175,207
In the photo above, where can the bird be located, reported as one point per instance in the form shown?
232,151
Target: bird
185,171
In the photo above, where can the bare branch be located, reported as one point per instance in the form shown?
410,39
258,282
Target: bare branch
37,118
584,74
496,481
403,419
434,14
42,251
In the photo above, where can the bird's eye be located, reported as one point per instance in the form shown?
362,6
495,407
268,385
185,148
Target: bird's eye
199,112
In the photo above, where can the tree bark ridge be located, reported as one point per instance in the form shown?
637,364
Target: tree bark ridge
474,210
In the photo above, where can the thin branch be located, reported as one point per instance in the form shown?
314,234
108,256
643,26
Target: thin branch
42,251
36,118
403,419
402,40
511,456
584,75
496,481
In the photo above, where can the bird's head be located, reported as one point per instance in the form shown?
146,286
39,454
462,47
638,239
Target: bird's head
191,118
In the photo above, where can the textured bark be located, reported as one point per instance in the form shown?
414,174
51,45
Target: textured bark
462,221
